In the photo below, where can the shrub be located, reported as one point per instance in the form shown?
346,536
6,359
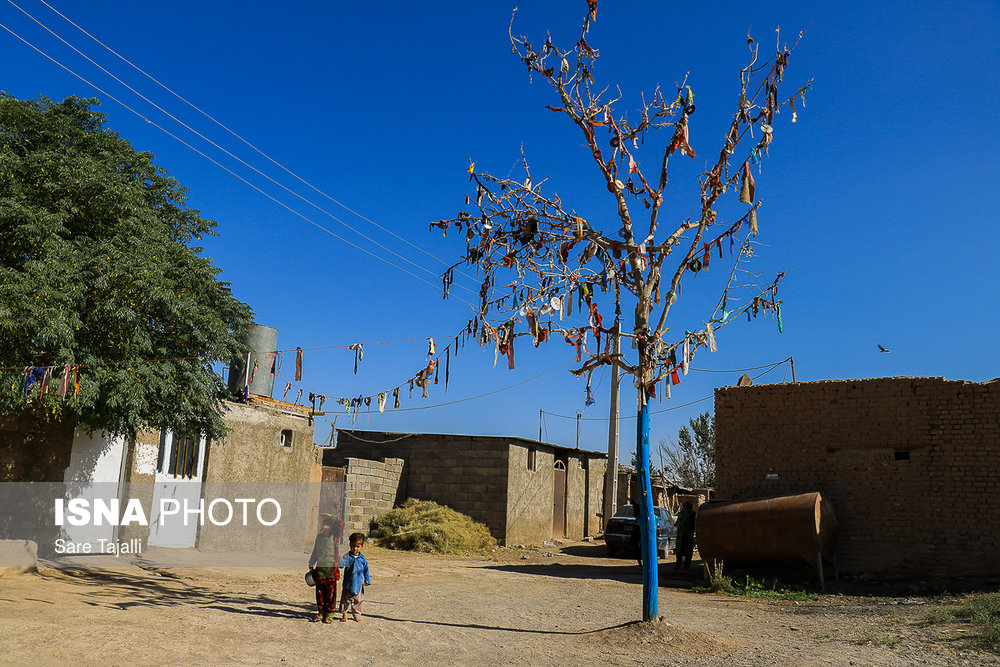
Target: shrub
425,526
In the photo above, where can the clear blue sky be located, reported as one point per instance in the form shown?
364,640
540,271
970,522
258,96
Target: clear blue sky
881,201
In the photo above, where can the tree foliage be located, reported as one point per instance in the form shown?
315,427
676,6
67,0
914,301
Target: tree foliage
97,270
691,461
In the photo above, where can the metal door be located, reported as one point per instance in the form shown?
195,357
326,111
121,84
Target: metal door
332,498
559,500
178,487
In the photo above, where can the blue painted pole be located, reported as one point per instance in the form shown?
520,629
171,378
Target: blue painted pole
647,530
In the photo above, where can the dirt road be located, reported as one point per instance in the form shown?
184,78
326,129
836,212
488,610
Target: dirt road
563,606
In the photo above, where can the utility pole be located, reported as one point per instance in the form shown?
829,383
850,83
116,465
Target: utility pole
539,425
578,415
611,474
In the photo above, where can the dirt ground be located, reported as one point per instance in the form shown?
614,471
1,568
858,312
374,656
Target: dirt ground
563,605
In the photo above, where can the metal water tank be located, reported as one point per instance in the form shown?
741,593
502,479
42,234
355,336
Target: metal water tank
260,341
767,530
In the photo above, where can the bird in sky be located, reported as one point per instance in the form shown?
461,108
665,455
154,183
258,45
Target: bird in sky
882,349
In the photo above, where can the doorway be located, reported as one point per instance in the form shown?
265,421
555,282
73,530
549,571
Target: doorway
559,500
179,467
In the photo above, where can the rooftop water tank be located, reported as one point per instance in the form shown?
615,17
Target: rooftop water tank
260,341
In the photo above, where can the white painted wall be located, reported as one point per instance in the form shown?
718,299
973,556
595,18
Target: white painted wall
94,472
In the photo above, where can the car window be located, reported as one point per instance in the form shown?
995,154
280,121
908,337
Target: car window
625,512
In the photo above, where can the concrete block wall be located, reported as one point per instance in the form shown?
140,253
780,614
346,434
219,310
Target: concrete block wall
486,478
466,473
910,465
595,499
529,495
372,488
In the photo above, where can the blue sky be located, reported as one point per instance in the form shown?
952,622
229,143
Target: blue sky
880,202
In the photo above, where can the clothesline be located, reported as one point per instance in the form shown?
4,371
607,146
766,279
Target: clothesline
471,398
220,357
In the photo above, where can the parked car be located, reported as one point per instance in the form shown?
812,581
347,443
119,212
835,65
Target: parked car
618,534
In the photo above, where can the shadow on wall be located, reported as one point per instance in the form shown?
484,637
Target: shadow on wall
34,450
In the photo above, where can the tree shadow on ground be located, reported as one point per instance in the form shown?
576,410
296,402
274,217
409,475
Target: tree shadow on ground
625,573
477,626
106,588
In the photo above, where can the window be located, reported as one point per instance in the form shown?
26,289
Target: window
178,456
532,459
286,438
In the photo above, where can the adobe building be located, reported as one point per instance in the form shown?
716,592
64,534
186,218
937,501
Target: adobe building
524,491
910,464
269,442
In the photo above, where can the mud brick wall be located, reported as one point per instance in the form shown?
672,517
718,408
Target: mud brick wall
33,449
372,487
910,464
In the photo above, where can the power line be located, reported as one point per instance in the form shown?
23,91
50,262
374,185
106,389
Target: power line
676,407
235,157
235,134
223,167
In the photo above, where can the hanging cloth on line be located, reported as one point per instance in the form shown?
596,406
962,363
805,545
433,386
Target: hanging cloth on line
359,354
298,364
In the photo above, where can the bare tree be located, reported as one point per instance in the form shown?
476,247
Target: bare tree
555,256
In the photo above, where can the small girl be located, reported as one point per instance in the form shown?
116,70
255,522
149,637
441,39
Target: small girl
356,577
323,562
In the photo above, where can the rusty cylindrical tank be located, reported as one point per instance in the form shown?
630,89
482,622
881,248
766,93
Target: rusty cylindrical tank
766,530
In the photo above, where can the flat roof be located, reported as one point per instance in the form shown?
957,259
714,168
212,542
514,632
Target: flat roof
390,435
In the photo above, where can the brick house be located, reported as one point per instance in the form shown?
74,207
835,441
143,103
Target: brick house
910,464
525,491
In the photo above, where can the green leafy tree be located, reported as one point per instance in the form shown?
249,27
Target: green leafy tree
97,270
691,461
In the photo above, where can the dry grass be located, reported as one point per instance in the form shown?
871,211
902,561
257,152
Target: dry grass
425,526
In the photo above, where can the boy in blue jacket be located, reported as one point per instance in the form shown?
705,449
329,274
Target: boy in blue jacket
355,577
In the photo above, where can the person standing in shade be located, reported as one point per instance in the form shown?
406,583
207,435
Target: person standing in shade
323,562
685,536
636,537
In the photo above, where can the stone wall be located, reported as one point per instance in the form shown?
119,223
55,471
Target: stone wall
372,488
910,465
